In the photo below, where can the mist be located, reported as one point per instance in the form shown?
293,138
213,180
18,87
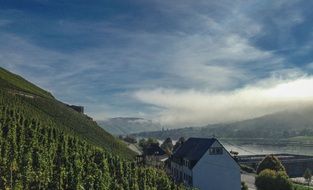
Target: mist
181,108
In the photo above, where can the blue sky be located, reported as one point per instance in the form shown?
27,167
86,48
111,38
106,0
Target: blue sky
163,60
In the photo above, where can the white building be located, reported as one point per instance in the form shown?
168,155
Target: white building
205,164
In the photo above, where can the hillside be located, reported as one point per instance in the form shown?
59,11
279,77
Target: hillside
43,103
13,82
128,125
46,145
285,124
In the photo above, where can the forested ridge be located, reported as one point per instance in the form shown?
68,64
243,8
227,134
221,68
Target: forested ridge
46,148
293,125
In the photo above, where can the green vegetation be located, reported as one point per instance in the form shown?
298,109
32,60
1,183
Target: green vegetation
11,81
272,175
49,109
78,124
167,145
288,126
307,176
143,143
180,141
35,154
273,180
270,162
300,187
46,145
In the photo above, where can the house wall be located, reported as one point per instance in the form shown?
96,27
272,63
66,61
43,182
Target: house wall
181,171
216,172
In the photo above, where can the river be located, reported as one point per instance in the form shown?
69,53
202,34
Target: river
268,149
264,149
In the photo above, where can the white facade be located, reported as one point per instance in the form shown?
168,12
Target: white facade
216,170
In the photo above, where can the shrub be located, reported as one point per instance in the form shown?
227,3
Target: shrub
272,163
272,180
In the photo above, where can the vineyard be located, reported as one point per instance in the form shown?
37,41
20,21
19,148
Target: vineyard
36,155
45,145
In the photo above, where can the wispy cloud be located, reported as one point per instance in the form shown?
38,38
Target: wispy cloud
103,53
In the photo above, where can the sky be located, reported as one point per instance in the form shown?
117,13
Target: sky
179,62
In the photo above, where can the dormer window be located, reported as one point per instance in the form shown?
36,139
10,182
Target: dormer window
216,150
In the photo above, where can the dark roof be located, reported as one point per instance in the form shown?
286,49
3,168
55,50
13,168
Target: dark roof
154,149
194,148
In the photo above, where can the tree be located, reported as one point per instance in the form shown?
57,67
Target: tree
265,180
143,143
167,145
273,180
282,181
180,141
307,176
152,141
270,162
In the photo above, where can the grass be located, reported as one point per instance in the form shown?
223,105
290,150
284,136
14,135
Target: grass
301,139
15,82
300,187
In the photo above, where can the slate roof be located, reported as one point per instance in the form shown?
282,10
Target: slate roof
193,149
154,149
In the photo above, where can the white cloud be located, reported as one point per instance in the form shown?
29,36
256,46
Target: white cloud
209,51
182,108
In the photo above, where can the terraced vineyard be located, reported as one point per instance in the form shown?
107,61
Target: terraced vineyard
41,104
46,145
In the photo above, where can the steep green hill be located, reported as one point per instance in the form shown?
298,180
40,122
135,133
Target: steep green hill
46,145
36,153
45,106
12,81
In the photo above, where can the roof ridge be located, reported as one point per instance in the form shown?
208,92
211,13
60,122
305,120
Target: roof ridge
194,148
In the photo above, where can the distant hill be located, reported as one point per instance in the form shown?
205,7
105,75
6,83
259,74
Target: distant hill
128,125
285,124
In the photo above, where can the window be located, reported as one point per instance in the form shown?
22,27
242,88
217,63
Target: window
190,180
216,150
186,163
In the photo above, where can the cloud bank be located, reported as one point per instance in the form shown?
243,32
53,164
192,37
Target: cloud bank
180,108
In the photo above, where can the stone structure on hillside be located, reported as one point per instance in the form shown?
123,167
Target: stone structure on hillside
79,109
